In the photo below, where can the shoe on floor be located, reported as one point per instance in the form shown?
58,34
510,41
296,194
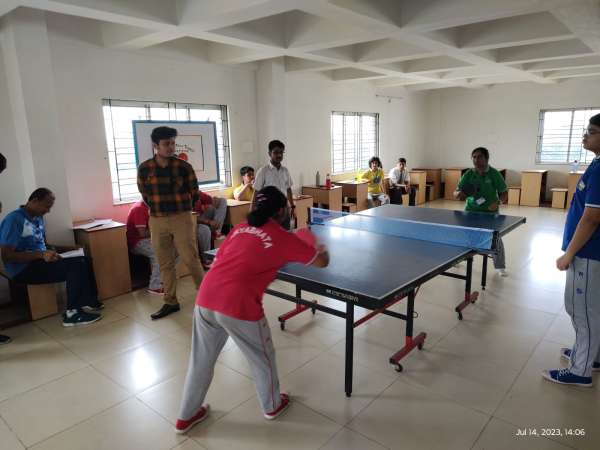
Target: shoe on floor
165,311
79,318
564,376
4,339
159,291
283,406
183,426
503,273
565,354
94,308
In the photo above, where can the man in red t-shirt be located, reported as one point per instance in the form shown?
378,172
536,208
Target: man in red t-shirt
211,212
229,303
138,241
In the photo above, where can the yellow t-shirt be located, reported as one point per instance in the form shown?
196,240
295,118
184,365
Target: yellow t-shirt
247,195
375,180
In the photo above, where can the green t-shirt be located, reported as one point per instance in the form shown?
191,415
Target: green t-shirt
487,188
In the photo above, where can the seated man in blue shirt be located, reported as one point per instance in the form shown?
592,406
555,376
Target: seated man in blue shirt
581,260
28,260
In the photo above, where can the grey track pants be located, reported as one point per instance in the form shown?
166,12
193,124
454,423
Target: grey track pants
582,303
210,332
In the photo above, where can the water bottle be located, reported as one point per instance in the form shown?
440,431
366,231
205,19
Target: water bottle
318,179
328,182
575,166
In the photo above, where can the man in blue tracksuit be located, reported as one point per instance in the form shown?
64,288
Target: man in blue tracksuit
581,260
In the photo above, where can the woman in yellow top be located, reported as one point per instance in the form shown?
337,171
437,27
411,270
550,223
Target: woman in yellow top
375,178
245,191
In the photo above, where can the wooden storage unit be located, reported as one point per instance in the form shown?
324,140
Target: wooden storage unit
559,197
325,198
356,191
572,185
418,179
533,187
303,203
107,246
434,178
514,195
237,210
451,178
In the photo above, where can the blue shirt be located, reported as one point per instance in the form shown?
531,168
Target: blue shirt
25,233
587,194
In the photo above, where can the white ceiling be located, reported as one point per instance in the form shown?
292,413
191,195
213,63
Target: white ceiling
413,44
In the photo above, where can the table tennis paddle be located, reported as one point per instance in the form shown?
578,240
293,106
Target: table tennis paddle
469,189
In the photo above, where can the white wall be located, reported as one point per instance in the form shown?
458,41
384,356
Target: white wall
504,119
310,99
85,73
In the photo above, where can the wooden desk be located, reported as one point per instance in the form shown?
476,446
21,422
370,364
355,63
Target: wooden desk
237,210
303,203
572,185
356,190
533,187
323,197
434,177
451,179
107,246
418,178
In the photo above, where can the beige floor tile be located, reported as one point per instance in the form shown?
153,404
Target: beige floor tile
371,355
319,384
561,331
469,381
408,417
535,402
9,440
289,354
245,428
36,367
53,325
25,338
34,416
127,426
347,439
227,390
499,435
109,340
146,365
190,444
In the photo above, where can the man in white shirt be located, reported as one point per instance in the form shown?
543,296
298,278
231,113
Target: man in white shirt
400,184
275,174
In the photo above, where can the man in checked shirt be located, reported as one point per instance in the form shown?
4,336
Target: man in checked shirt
169,187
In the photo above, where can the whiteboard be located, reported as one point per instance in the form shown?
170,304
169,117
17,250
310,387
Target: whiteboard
196,143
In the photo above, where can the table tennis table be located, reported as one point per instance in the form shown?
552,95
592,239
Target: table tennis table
365,269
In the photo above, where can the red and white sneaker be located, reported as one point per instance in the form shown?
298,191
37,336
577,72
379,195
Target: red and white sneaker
159,291
183,426
283,406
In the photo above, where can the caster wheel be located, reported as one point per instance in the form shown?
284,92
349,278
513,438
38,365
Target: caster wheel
460,316
420,346
313,311
399,368
282,326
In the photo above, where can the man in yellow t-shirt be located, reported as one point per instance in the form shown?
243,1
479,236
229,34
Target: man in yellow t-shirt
245,191
375,178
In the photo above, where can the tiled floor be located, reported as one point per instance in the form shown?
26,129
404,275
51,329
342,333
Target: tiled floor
117,384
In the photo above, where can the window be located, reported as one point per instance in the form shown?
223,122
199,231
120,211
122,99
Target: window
559,139
118,115
354,139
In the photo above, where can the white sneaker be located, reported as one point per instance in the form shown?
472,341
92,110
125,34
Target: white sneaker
503,272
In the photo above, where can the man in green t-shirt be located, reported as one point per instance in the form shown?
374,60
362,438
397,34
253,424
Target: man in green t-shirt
484,189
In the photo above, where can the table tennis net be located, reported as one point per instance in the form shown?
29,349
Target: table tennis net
474,238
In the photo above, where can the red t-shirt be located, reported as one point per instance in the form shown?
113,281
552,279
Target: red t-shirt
246,264
138,216
204,201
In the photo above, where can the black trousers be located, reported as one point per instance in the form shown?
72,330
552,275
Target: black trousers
77,272
396,195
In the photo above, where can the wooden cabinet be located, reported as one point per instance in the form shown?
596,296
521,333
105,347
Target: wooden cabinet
237,210
533,187
356,191
107,246
434,179
572,185
303,204
418,179
325,198
451,178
